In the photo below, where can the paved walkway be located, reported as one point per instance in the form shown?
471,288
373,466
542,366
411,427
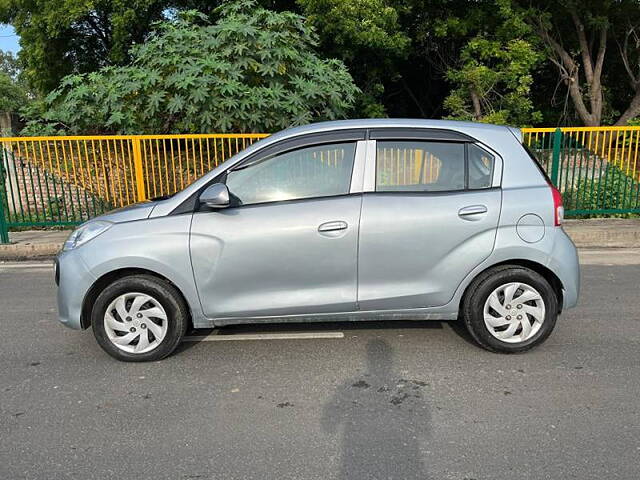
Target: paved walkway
593,233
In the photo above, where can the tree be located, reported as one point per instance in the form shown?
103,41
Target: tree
493,76
367,36
582,39
253,70
9,64
60,37
12,96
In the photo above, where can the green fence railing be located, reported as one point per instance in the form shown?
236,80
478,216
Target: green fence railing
596,169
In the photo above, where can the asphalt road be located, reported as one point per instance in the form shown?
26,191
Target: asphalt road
390,400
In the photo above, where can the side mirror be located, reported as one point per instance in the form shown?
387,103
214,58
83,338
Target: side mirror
215,196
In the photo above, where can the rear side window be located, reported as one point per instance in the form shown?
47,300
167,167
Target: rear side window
419,166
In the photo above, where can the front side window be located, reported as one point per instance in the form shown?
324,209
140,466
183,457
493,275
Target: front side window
317,171
419,166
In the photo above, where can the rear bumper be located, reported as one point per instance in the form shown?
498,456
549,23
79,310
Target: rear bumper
74,280
564,262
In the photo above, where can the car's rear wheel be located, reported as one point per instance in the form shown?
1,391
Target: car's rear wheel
510,309
139,318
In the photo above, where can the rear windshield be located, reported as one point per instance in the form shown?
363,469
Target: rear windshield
535,160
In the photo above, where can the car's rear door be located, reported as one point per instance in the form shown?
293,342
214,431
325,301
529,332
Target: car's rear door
429,218
288,243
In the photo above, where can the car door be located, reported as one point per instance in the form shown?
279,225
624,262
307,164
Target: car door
429,218
288,243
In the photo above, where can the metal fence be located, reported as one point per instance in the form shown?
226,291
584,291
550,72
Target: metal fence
58,181
596,169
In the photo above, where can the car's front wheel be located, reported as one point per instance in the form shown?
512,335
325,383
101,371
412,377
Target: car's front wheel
139,318
510,309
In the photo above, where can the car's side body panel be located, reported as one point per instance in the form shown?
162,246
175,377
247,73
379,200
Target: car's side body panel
415,249
271,259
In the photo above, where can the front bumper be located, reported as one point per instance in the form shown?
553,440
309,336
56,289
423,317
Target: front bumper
74,280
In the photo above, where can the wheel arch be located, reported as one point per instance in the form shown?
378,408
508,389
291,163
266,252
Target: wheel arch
542,270
109,277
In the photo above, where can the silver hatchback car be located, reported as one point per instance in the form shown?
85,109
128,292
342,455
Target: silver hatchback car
348,220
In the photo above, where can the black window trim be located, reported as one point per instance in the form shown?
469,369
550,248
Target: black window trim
419,133
304,141
427,193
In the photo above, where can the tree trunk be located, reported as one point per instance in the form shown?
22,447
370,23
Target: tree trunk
477,108
590,113
5,124
632,111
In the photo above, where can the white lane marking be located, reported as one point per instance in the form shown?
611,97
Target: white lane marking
19,266
29,270
216,337
610,256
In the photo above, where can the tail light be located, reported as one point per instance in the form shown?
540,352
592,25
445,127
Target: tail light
558,209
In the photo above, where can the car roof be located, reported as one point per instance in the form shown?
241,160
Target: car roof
463,127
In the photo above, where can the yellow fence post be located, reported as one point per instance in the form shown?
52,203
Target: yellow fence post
137,163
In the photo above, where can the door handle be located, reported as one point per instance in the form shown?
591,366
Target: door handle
472,210
333,226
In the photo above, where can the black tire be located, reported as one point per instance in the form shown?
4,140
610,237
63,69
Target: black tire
165,293
480,289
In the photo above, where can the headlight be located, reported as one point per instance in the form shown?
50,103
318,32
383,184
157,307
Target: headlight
85,233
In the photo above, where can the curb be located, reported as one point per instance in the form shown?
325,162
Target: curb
609,233
605,239
39,251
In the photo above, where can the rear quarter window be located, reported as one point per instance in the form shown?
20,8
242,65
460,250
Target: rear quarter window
533,157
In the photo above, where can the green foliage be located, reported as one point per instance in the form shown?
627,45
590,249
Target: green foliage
9,64
410,58
493,78
254,70
59,37
12,96
367,36
612,190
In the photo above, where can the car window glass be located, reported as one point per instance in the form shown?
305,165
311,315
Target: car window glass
422,166
480,167
317,171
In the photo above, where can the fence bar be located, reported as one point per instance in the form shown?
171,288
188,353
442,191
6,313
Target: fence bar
555,162
137,162
4,205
